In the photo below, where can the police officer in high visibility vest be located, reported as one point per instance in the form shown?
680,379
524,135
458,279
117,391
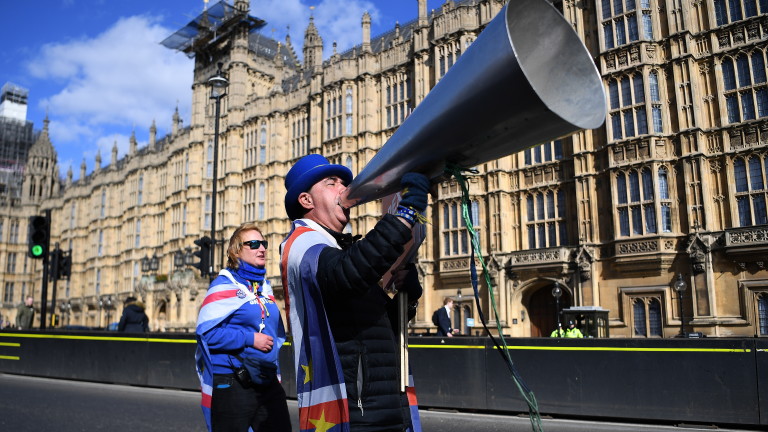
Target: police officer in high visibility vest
572,331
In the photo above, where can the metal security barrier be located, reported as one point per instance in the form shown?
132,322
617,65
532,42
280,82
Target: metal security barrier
707,381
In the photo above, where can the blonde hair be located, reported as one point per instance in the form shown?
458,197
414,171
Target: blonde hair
236,243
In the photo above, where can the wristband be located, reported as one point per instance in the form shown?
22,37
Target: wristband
409,214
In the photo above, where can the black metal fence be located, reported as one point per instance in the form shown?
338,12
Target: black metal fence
706,381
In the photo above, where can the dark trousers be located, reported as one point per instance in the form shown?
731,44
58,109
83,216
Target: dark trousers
235,407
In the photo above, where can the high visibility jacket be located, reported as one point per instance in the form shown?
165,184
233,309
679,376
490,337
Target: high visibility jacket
573,333
554,333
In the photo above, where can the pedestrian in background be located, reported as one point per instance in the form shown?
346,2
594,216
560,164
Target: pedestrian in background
442,319
239,335
134,319
25,314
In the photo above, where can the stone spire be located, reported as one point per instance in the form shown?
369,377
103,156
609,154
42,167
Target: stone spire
132,141
97,167
423,13
152,135
82,170
41,177
313,47
366,32
114,154
176,121
69,176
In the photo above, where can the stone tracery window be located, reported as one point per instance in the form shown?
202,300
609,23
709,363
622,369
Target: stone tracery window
621,24
454,229
548,152
750,178
637,198
728,11
627,106
745,87
398,102
546,219
646,317
299,123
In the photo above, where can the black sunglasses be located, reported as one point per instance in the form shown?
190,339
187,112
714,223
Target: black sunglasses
254,244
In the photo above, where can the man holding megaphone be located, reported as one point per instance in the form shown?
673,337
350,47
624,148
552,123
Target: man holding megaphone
345,349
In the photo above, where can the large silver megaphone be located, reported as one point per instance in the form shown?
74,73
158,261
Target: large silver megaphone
527,79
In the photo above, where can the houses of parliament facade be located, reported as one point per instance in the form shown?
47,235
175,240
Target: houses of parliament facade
673,186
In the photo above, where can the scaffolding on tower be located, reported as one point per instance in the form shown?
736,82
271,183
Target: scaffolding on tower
214,23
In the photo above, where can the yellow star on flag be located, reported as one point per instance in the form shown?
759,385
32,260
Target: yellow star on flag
307,372
320,424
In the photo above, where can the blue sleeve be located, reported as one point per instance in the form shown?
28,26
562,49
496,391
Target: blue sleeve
228,337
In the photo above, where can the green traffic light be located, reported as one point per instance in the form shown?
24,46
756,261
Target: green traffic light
37,250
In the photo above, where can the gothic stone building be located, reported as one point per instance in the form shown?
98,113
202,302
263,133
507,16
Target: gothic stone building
674,183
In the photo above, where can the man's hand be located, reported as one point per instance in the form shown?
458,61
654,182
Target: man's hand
406,278
262,342
415,190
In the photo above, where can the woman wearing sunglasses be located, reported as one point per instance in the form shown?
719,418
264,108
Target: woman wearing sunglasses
239,335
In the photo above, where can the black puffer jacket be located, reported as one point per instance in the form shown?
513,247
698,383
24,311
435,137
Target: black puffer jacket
359,315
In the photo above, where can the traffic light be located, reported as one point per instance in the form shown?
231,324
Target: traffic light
204,254
65,265
38,237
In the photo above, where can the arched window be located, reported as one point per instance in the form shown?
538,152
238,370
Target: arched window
530,206
647,317
638,311
262,201
755,174
634,187
721,16
209,162
663,184
621,188
626,92
654,317
729,77
735,10
103,201
740,175
613,91
742,67
140,197
647,185
762,313
653,83
540,206
137,239
263,133
550,205
637,80
758,67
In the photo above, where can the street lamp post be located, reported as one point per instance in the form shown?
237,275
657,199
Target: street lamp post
218,85
178,259
108,308
556,293
680,287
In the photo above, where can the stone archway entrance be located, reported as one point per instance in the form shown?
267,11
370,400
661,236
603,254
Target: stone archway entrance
541,308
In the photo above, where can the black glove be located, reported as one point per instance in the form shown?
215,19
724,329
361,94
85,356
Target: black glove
415,190
411,283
